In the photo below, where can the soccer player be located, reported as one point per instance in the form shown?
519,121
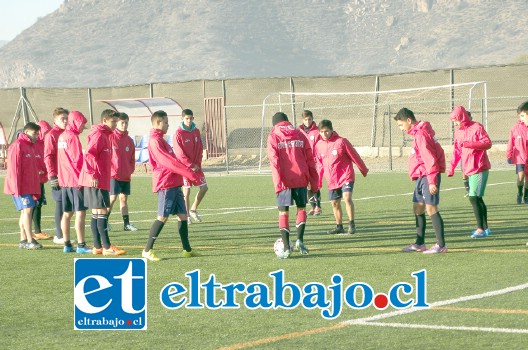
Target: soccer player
426,163
60,120
470,146
167,172
43,177
22,181
517,152
95,178
311,131
188,148
70,162
292,169
338,156
123,165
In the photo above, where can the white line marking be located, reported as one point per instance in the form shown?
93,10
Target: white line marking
442,327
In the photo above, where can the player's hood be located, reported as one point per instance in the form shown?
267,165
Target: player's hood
75,121
313,126
44,129
184,128
284,128
422,126
461,115
101,128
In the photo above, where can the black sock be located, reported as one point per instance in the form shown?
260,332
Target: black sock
476,209
483,212
126,220
420,228
300,231
36,216
318,199
285,235
155,230
184,236
525,192
520,190
438,225
67,243
311,198
58,217
95,232
102,228
466,185
339,226
81,244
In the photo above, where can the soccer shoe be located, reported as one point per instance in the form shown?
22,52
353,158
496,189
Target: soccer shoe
22,244
57,240
68,249
415,248
84,250
149,255
466,195
190,254
481,234
318,211
519,199
351,229
41,235
194,215
97,251
300,247
337,230
33,245
113,251
284,255
130,227
311,212
525,200
436,249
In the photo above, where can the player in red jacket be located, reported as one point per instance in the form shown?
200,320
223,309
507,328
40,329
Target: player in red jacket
60,120
167,172
22,181
95,180
517,152
338,156
470,145
426,163
311,131
123,165
188,147
39,152
293,170
70,162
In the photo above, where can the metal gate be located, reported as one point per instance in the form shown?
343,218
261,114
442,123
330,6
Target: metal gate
214,130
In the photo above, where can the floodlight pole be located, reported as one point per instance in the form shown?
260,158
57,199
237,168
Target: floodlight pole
24,107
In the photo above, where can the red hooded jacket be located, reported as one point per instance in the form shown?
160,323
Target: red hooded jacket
50,150
338,156
167,170
517,150
39,149
291,158
123,156
97,158
427,157
69,151
22,169
188,145
470,145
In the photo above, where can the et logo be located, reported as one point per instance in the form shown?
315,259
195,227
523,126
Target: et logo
110,294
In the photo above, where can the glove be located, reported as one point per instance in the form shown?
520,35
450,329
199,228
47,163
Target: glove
510,161
54,183
450,173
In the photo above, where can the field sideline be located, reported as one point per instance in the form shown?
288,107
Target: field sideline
477,291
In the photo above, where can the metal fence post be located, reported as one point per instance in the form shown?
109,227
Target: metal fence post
90,111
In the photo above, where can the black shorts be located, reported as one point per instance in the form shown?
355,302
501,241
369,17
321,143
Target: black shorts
286,197
96,198
337,193
72,199
117,187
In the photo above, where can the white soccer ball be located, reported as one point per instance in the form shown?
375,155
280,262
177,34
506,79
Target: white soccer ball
278,247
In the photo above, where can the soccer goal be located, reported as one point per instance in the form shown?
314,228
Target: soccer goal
366,118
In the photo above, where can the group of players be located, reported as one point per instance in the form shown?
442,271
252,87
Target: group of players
95,178
298,156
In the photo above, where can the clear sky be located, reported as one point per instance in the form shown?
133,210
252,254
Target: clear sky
17,15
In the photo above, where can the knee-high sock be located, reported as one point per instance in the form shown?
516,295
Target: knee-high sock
95,232
102,228
438,225
284,227
477,210
420,229
36,216
155,230
300,224
312,199
484,212
184,235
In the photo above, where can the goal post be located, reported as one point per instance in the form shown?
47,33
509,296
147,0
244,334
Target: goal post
366,118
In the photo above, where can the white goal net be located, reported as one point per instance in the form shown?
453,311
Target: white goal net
366,118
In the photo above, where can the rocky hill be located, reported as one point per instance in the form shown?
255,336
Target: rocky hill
119,42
